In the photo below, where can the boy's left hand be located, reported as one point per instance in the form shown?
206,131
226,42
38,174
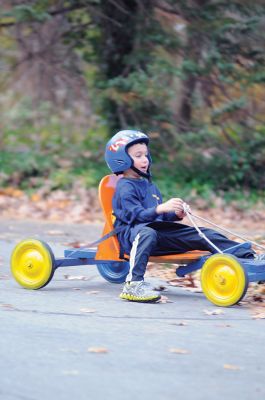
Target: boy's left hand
181,213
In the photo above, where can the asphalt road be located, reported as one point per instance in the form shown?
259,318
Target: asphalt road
152,351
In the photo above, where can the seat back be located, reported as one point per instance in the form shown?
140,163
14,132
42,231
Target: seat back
108,249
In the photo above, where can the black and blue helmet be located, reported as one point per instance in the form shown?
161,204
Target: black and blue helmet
116,152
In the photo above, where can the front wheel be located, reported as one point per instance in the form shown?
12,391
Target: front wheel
114,272
32,264
224,280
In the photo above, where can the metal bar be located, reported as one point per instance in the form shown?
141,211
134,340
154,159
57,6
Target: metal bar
81,253
255,269
71,262
191,267
256,276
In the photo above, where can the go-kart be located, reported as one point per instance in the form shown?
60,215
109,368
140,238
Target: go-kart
224,277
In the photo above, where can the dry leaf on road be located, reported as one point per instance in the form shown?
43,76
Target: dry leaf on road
101,350
76,277
232,367
213,312
93,292
181,323
4,277
55,233
88,310
9,307
178,351
164,299
259,315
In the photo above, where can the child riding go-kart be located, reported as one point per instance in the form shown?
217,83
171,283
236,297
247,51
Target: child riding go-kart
226,269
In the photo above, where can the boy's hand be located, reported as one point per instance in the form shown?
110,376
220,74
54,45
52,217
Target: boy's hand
174,204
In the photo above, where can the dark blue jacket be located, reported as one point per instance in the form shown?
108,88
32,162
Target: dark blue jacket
134,204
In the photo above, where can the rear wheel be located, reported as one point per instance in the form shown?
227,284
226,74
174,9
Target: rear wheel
114,272
224,280
32,264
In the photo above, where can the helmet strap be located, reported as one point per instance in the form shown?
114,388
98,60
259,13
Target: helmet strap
143,174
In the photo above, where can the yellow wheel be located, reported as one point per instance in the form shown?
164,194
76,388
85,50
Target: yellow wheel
224,280
32,264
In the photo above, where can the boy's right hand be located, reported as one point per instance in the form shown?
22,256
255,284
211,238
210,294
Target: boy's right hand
174,204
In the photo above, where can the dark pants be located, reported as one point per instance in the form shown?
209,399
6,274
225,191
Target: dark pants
160,238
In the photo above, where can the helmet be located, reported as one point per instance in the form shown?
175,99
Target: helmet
116,154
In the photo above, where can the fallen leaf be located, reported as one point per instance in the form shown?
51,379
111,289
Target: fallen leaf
178,351
8,307
12,192
100,350
259,315
262,289
213,312
55,233
193,289
35,197
4,277
88,310
93,292
232,367
164,299
76,278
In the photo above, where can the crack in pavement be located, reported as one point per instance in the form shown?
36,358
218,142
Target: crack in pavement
94,314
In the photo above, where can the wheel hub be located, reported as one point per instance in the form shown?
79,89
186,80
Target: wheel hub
223,279
29,265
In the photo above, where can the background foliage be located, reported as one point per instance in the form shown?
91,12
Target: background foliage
189,73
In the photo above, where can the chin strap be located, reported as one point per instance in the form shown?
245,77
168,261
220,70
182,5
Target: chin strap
143,174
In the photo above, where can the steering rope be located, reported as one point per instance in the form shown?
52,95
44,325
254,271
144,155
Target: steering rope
191,215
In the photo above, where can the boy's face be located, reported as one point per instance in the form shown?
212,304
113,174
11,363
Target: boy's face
139,153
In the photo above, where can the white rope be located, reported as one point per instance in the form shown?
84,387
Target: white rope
201,234
187,210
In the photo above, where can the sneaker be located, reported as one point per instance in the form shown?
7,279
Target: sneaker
259,257
139,291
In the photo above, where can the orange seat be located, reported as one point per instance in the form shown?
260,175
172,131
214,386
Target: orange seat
109,249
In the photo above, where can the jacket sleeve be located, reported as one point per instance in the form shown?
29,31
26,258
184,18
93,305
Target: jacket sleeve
131,209
168,216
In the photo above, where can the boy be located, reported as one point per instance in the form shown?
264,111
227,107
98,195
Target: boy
147,225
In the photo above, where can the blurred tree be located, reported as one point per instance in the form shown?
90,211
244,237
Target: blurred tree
44,68
190,72
139,49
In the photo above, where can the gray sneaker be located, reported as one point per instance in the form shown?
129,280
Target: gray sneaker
139,291
259,257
